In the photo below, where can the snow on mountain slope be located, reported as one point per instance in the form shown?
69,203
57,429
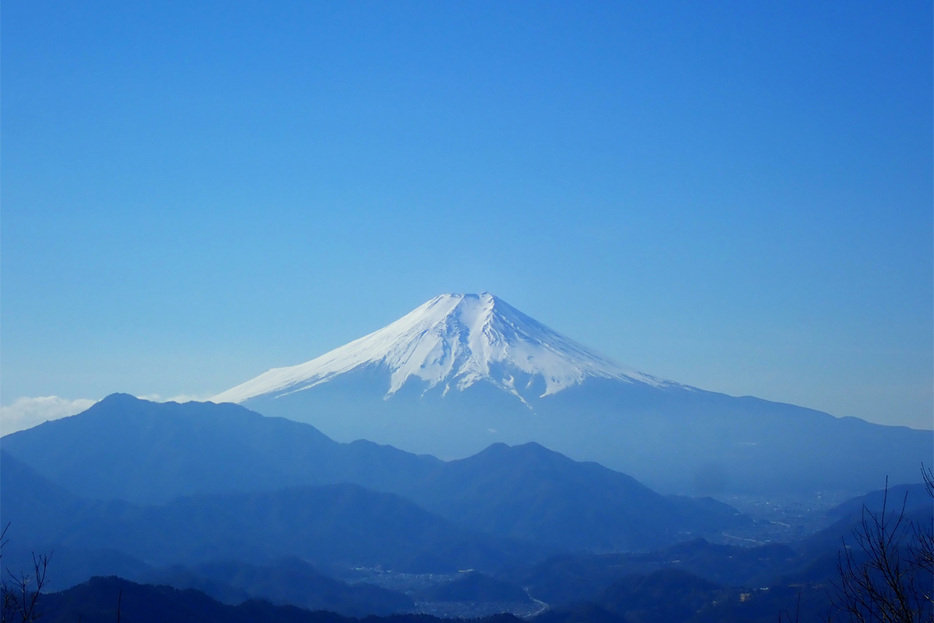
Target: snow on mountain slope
454,340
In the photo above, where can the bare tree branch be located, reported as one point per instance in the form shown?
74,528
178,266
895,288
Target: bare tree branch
19,594
885,572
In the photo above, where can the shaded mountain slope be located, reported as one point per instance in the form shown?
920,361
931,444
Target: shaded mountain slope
151,453
532,493
148,452
573,577
332,525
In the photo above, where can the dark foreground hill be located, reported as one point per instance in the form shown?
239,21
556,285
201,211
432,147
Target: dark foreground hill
109,599
290,581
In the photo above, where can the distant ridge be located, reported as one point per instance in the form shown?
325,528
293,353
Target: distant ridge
150,453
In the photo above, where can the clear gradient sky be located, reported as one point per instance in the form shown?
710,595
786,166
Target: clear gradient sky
732,195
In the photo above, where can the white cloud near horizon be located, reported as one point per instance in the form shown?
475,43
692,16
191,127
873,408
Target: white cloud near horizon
31,411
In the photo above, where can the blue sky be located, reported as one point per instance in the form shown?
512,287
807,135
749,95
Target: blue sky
736,196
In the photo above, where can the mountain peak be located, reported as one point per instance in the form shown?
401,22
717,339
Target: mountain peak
454,341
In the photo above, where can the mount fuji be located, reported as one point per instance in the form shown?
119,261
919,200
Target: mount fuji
455,341
463,371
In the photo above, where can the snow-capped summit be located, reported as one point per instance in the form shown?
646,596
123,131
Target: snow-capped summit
454,341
